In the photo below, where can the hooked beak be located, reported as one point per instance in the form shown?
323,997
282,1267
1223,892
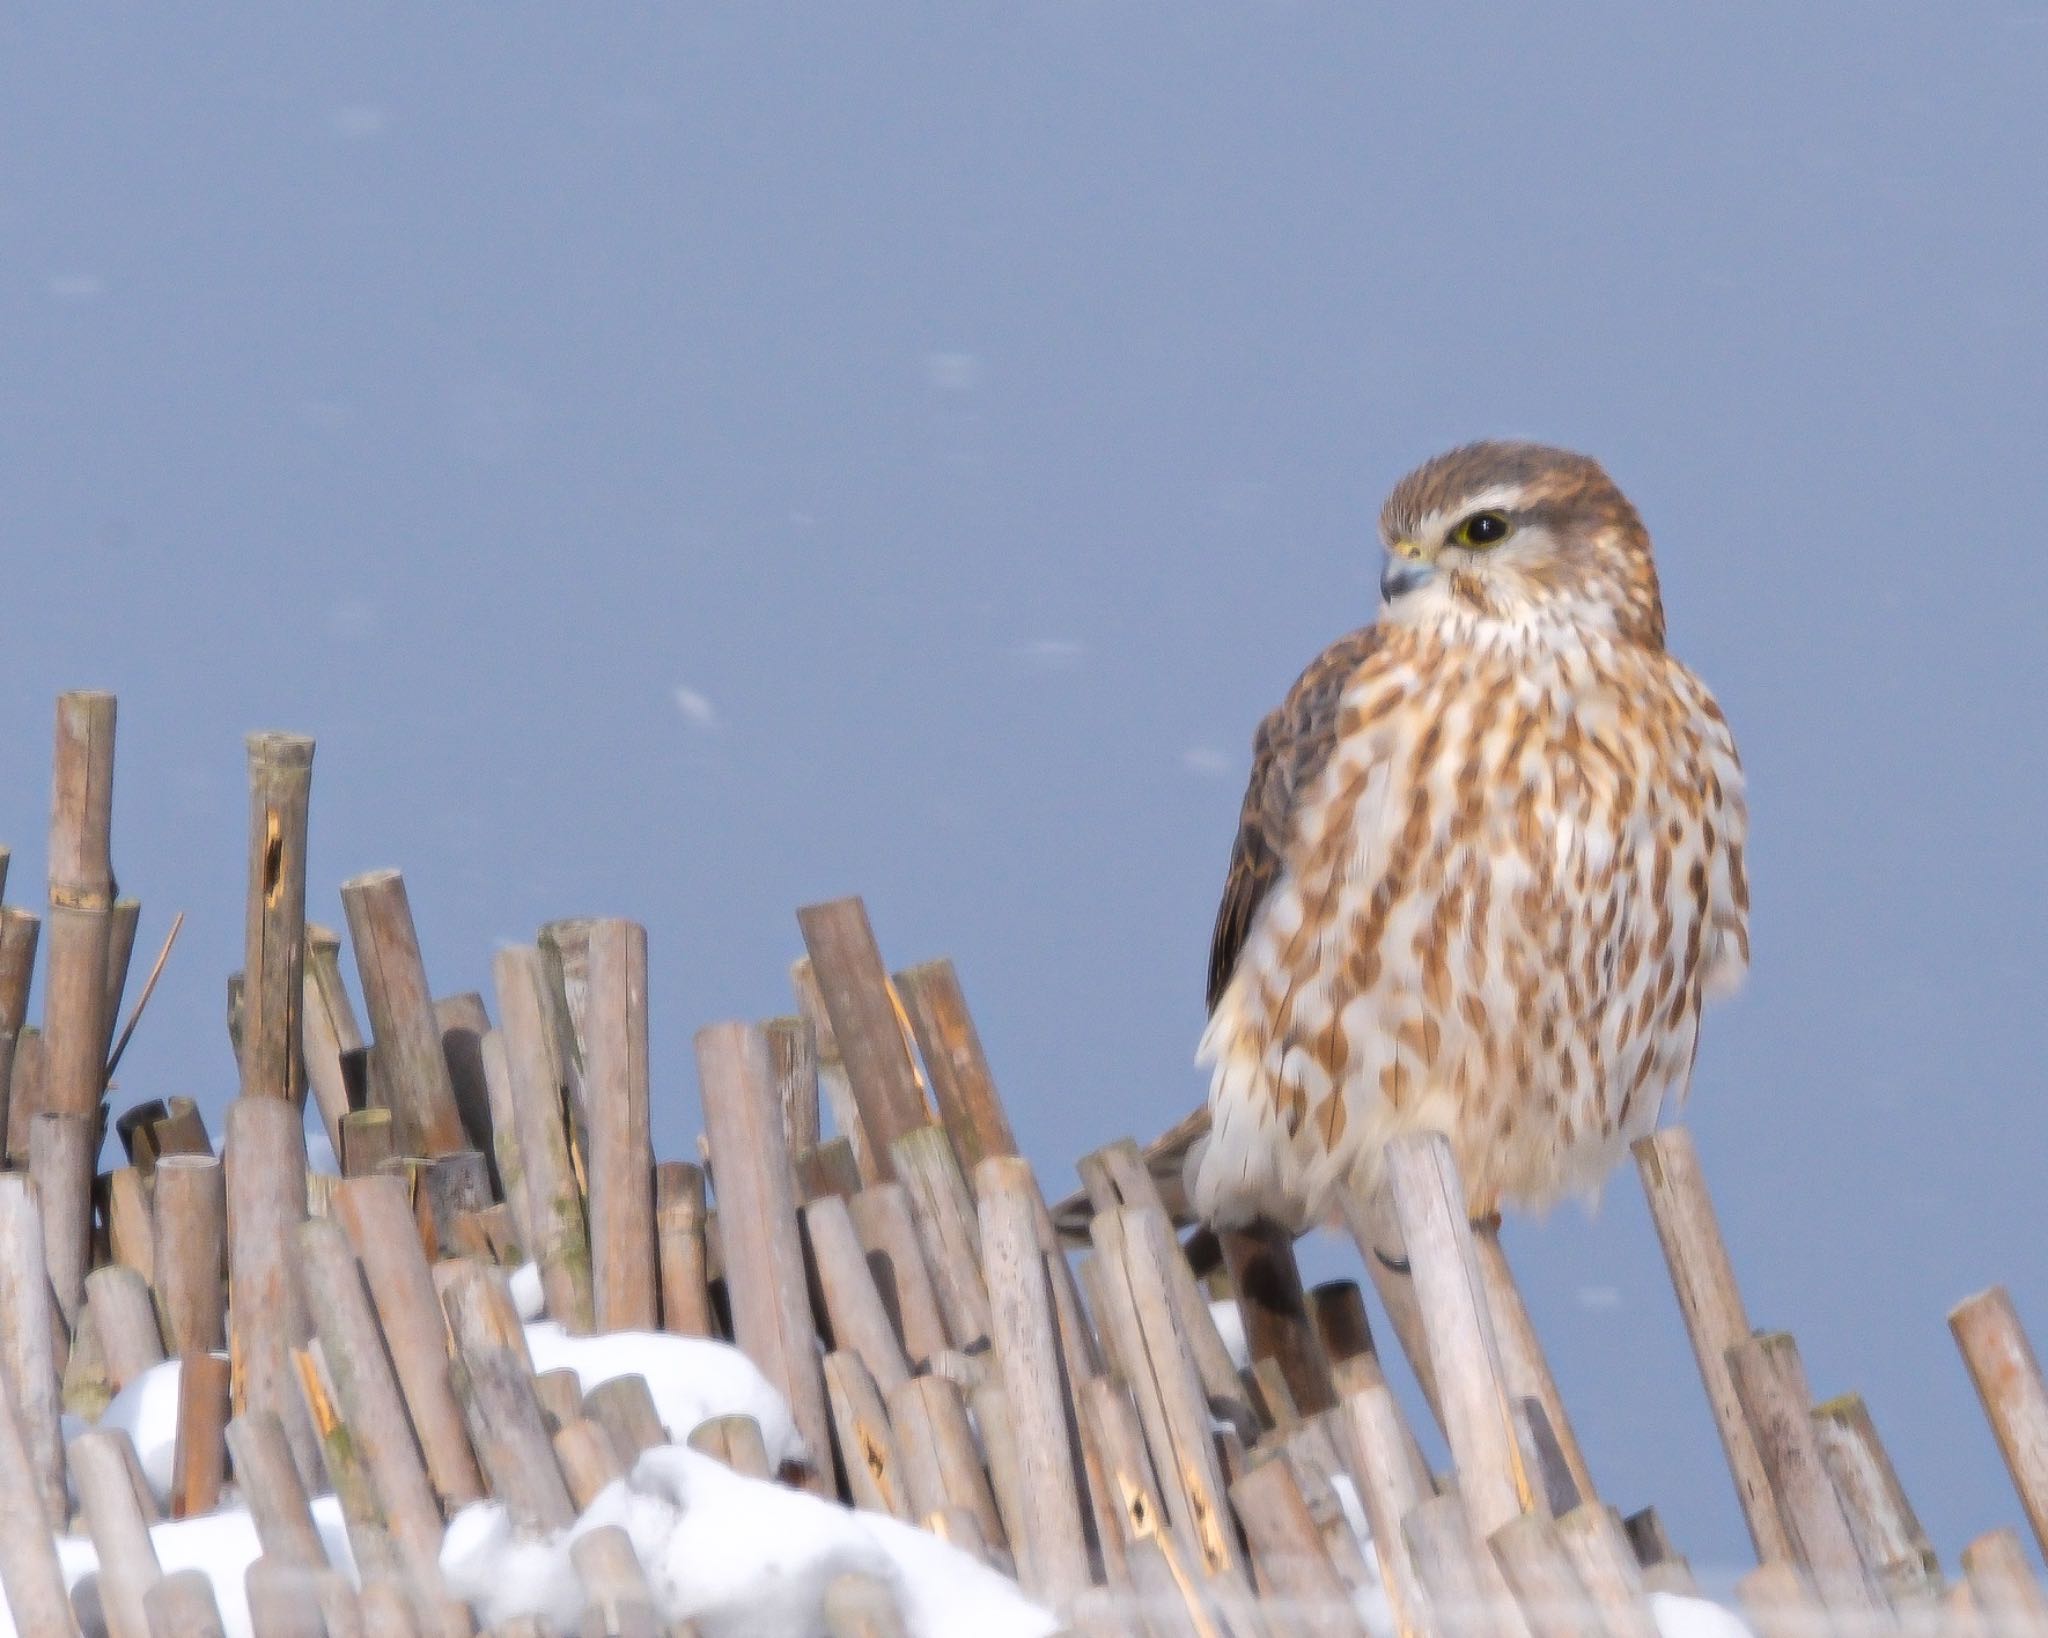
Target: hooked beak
1405,570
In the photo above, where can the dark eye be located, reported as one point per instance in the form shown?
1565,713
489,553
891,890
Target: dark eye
1483,529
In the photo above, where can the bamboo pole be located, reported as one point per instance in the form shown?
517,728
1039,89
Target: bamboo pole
1526,1366
2002,1583
511,1169
493,1382
282,1600
123,918
199,1456
1429,1201
369,1141
558,1239
464,1021
1553,1599
1388,1491
793,1051
19,932
1288,1551
113,1518
274,934
858,1605
617,1599
615,1088
1599,1553
28,1361
124,1322
29,1570
584,1452
680,1250
948,1042
337,1065
935,1443
75,980
854,987
2008,1380
268,1482
401,1008
1053,1557
868,1450
853,1306
944,1213
887,1226
191,1252
379,1224
1887,1531
1276,1319
1465,1585
182,1605
835,1091
265,1163
1711,1305
764,1265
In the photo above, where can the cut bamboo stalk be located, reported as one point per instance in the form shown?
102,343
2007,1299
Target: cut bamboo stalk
946,1229
348,1475
2008,1598
1887,1530
274,937
948,1042
868,1451
120,1534
1711,1305
680,1249
267,1480
615,1090
1377,1232
87,1388
617,1599
1429,1202
75,980
587,1458
861,1606
1527,1368
991,1411
560,1392
401,1008
2008,1380
935,1442
368,1395
853,1306
793,1051
379,1224
558,1239
60,1148
1463,1581
511,1437
387,1611
464,1021
564,947
199,1456
19,932
1770,1384
267,1319
835,1091
124,917
887,1226
854,987
1599,1553
369,1142
1053,1558
1128,1480
191,1252
181,1130
450,1189
1554,1601
1276,1319
511,1171
1338,1309
763,1251
736,1441
182,1605
131,1222
1288,1550
1779,1603
29,1570
282,1601
28,1360
125,1323
24,1094
624,1407
337,1064
1389,1492
826,1168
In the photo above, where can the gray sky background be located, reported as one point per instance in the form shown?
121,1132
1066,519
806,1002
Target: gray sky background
981,413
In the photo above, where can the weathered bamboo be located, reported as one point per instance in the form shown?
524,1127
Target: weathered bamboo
585,1453
946,1229
853,1306
941,1467
1287,1548
1388,1491
1711,1305
267,1480
835,1091
113,1518
1780,1603
348,1474
736,1441
617,1600
199,1457
860,1606
28,1361
464,1021
191,1252
124,917
282,1599
854,987
19,931
558,1239
450,1190
182,1605
75,980
1276,1319
60,1150
511,1438
181,1130
962,1086
1526,1366
24,1093
564,946
1554,1601
1053,1557
2002,1583
1771,1387
868,1451
337,1064
2008,1380
1599,1552
29,1570
1887,1531
763,1251
887,1226
680,1249
369,1141
511,1170
387,1609
615,1090
274,935
125,1323
374,1214
131,1221
401,1008
1429,1201
624,1407
793,1051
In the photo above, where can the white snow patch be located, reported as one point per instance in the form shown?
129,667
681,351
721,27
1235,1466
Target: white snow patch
1678,1616
528,1295
693,1379
1230,1326
740,1557
147,1411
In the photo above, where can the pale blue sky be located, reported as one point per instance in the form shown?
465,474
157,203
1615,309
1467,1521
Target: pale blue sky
980,414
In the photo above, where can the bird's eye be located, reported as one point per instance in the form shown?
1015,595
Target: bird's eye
1482,529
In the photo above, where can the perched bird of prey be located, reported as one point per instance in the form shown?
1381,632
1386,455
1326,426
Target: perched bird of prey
1489,868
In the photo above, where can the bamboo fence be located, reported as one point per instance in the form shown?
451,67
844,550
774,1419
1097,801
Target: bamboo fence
1044,1385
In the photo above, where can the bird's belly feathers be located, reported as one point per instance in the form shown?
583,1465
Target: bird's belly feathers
1497,921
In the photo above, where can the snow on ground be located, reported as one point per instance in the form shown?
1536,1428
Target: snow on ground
693,1379
147,1411
740,1557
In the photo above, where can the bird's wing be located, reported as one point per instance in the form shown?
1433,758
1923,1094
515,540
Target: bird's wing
1288,752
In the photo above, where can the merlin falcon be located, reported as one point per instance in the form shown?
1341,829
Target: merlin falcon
1489,867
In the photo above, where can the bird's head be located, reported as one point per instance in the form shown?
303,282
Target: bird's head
1517,533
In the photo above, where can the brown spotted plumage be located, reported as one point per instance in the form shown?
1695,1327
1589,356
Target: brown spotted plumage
1489,865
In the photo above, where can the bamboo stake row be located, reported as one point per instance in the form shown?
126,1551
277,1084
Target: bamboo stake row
858,1221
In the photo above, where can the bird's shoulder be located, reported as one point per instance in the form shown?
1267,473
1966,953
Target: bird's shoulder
1290,749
